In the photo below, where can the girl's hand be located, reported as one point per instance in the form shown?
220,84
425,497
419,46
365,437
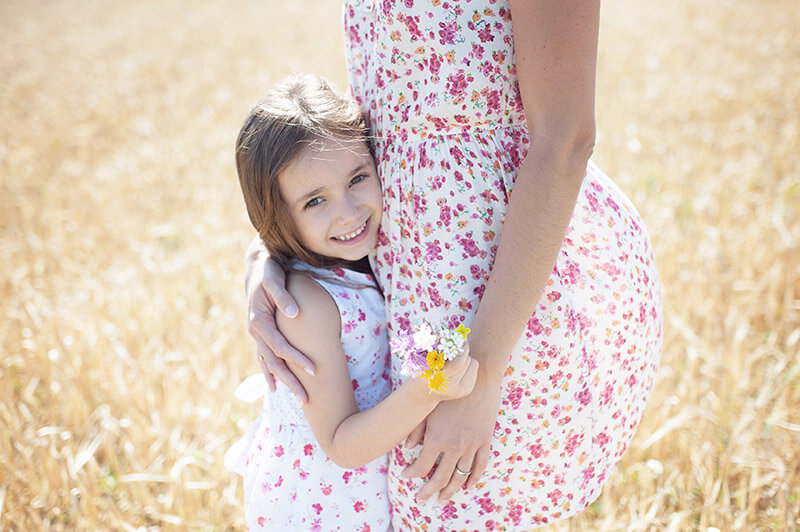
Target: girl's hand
460,374
461,432
265,287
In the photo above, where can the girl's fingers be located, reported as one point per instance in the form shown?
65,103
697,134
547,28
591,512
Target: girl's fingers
471,374
458,365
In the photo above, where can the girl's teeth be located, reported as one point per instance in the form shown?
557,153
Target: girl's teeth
350,236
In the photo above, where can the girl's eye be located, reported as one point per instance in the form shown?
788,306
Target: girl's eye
313,202
358,179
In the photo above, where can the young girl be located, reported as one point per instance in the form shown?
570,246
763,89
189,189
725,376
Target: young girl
312,192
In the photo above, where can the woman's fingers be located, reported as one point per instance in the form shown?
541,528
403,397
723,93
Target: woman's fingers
461,432
261,347
440,478
461,472
415,438
423,464
274,284
263,329
285,375
274,366
478,466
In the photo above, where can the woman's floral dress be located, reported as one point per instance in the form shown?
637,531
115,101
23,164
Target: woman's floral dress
438,83
289,482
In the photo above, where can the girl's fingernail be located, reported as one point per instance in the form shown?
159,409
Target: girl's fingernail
291,311
310,371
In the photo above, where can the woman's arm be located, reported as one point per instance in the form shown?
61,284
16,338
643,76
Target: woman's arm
555,45
352,438
264,283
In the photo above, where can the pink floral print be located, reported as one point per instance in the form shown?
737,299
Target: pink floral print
438,83
289,482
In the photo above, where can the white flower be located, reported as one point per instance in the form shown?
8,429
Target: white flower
449,348
424,337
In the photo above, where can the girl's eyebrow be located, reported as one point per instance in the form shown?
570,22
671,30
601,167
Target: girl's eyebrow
358,168
310,194
315,192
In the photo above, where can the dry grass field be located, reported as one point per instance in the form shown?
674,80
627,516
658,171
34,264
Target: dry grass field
122,233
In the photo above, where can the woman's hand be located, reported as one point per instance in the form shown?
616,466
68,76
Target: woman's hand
265,287
461,432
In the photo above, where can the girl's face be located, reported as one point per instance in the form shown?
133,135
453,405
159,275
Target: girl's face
334,198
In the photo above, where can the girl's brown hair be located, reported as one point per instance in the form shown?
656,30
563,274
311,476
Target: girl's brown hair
295,113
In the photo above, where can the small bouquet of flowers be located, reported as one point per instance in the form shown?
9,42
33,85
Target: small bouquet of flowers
426,350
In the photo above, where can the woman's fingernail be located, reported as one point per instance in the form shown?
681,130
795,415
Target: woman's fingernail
310,371
291,311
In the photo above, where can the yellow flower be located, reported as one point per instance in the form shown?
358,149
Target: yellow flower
435,360
463,331
437,382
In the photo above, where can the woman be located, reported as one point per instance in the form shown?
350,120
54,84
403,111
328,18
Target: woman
483,128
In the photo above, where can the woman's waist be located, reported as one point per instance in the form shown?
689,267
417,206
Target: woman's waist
387,126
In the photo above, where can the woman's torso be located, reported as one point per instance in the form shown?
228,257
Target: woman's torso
434,68
438,82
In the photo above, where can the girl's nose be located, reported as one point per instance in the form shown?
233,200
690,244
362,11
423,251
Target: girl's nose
348,210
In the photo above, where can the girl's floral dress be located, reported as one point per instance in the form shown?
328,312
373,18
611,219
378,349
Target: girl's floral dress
438,83
289,482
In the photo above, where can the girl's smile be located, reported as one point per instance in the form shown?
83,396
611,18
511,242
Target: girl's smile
355,236
333,196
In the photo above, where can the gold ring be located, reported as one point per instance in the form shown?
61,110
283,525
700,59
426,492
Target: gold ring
465,473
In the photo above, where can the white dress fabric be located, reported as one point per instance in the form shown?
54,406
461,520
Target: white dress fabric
290,484
438,82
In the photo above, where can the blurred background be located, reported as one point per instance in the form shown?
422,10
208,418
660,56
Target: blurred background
122,234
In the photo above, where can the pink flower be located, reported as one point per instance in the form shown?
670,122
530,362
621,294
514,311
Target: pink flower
584,396
449,511
485,34
448,32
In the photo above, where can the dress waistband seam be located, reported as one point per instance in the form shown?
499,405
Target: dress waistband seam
427,133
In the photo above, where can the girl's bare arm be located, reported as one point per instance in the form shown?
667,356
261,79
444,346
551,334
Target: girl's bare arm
350,437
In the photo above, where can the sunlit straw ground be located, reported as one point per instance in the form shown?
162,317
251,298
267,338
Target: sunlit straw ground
122,233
